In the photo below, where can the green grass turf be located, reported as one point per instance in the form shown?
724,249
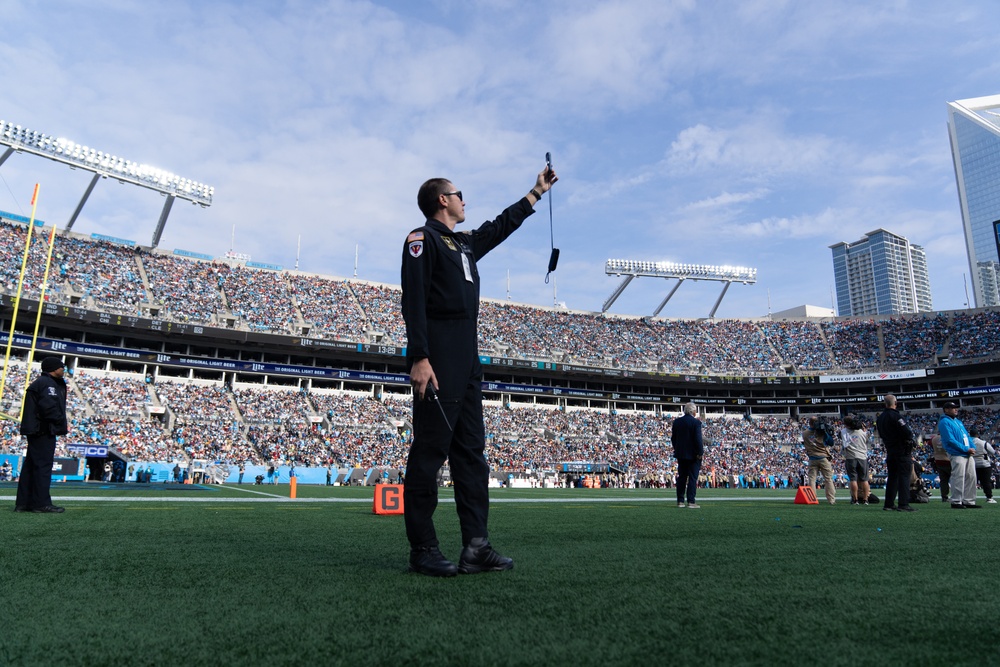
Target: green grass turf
747,579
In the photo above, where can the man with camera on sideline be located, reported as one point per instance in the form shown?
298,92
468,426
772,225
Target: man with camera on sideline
899,442
818,443
958,443
942,465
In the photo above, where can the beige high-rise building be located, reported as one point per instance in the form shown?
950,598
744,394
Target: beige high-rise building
881,274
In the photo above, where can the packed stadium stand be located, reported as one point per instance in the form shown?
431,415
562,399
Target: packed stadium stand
132,280
261,366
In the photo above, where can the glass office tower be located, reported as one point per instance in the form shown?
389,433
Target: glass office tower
881,274
974,129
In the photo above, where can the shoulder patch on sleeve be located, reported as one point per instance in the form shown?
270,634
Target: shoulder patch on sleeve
415,236
416,248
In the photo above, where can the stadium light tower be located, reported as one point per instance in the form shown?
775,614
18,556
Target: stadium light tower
681,272
103,165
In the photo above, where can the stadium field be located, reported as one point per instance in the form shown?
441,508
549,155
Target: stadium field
227,575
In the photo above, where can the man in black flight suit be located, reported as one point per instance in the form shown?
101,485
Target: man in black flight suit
899,441
42,419
440,306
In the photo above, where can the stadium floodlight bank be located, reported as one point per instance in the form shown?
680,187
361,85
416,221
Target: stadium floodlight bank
632,269
103,165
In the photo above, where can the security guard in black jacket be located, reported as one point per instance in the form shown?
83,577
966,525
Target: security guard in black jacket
43,417
440,305
899,442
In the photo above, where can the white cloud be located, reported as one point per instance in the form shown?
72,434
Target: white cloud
755,149
727,199
795,227
768,130
617,53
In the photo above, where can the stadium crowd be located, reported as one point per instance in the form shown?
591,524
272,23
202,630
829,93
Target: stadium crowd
260,298
137,281
12,241
259,425
254,423
104,272
188,291
328,305
112,396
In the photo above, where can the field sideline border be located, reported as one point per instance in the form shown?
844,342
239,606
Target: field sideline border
284,499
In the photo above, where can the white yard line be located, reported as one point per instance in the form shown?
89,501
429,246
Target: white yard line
260,493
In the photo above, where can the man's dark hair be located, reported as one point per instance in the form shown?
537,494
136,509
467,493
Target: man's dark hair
427,196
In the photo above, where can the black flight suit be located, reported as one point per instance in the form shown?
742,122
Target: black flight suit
43,418
440,306
898,440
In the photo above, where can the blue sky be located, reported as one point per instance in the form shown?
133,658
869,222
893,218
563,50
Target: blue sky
749,133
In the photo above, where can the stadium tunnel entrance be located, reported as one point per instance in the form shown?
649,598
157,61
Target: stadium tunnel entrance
95,458
96,467
589,475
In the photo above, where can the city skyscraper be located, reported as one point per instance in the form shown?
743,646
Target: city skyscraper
974,129
881,274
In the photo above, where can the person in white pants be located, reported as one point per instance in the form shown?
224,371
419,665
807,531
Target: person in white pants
958,443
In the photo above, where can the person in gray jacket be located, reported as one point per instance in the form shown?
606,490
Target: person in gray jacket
854,441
